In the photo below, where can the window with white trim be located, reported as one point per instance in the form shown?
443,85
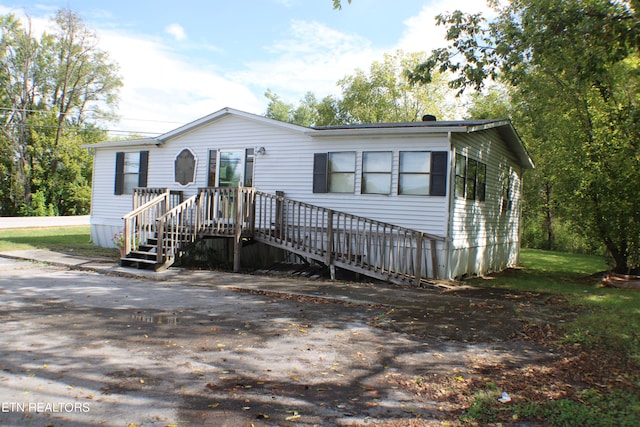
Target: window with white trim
376,172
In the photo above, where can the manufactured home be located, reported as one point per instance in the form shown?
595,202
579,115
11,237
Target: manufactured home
400,201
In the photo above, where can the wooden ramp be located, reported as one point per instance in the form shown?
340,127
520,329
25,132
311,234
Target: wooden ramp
163,226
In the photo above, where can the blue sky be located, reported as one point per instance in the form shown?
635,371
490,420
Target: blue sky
181,60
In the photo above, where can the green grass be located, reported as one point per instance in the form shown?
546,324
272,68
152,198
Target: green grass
607,323
60,239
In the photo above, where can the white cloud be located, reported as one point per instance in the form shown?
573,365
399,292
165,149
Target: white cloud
161,86
177,31
312,59
422,33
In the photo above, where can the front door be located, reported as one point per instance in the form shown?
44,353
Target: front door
231,168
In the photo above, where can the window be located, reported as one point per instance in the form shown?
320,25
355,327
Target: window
461,173
423,173
131,171
342,172
420,172
249,156
376,172
505,178
213,160
471,178
472,171
334,172
415,167
185,167
481,184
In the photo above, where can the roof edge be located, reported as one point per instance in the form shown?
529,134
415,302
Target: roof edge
222,113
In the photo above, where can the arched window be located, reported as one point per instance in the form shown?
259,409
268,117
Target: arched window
185,167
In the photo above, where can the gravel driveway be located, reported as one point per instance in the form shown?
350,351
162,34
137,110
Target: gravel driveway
80,348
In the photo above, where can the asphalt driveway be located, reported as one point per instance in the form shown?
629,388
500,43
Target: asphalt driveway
84,346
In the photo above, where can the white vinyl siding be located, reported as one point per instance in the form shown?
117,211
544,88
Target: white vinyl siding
482,235
483,239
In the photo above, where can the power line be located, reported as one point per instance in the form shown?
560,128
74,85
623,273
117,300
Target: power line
112,131
130,132
13,109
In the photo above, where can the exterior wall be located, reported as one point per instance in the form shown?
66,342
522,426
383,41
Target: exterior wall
287,166
107,209
484,238
481,237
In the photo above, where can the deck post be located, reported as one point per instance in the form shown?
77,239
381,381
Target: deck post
127,236
237,232
160,234
418,262
329,254
434,259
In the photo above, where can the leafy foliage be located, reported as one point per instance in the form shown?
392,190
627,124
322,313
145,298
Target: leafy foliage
49,90
572,70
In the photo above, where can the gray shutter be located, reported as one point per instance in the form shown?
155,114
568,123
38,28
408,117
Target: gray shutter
144,169
438,182
119,183
320,173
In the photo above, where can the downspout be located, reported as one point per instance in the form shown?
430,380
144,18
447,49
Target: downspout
450,203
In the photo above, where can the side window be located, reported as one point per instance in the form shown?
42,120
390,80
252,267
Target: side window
472,170
376,172
461,173
471,178
506,201
131,171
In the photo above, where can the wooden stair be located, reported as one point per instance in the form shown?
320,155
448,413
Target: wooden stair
144,257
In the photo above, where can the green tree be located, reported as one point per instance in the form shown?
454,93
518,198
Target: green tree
382,94
573,65
50,87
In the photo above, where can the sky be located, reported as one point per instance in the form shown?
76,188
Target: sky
182,60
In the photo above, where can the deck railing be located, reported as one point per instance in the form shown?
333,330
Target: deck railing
345,240
142,195
221,208
335,238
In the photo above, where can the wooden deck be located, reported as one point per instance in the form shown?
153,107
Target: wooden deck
162,226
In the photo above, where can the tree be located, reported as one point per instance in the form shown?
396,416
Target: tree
337,4
305,114
48,87
383,94
574,67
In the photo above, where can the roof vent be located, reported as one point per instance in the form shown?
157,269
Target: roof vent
429,118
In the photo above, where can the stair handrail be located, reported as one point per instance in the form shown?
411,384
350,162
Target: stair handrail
139,224
177,228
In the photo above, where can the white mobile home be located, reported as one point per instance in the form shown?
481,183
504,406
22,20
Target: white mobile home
458,183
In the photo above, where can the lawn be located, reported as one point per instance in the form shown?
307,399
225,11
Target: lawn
61,239
601,340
